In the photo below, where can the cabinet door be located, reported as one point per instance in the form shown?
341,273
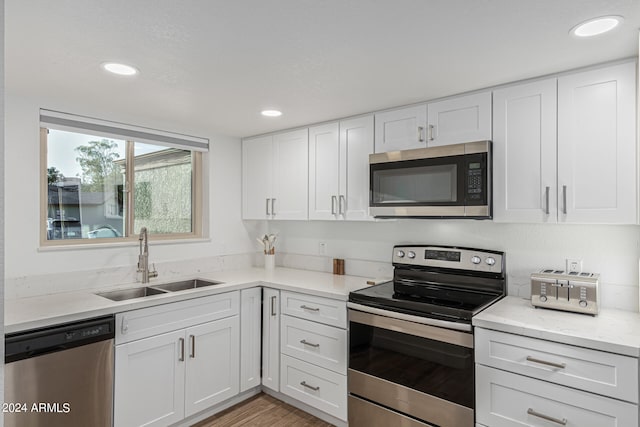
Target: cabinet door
250,336
290,171
212,371
597,146
257,169
458,120
356,143
149,381
271,339
524,153
401,129
324,158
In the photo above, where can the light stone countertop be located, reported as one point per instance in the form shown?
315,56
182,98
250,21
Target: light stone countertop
613,331
46,310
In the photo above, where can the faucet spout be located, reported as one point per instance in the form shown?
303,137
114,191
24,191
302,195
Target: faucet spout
143,257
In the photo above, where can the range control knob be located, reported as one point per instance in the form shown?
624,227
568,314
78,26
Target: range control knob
411,254
400,254
543,298
490,261
582,303
475,259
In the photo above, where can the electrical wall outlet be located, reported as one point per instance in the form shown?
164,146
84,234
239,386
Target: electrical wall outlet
574,265
322,248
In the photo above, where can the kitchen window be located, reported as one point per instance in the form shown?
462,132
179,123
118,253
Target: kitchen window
103,181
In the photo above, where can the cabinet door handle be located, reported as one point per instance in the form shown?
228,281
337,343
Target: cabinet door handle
544,362
564,199
342,205
181,341
562,422
431,132
125,325
333,205
267,208
546,198
273,207
273,305
420,133
192,338
310,344
304,384
304,307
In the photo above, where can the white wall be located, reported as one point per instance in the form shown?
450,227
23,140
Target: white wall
612,251
22,172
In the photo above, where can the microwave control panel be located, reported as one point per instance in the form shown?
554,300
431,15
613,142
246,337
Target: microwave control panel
476,188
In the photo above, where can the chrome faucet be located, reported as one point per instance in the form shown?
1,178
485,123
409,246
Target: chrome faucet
143,258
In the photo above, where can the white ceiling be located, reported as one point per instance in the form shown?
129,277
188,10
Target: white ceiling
218,63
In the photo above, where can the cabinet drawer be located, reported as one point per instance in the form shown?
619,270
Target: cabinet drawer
324,310
146,322
317,387
321,345
505,399
591,370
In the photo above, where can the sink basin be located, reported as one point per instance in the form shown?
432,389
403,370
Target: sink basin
186,284
126,294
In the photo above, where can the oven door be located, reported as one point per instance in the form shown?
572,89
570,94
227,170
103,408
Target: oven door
430,182
400,371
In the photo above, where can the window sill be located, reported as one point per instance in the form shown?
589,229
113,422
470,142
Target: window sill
120,244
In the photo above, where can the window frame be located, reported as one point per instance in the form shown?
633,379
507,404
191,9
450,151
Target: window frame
130,235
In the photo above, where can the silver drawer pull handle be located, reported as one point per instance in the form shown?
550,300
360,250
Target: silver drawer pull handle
430,132
544,362
304,307
192,338
304,384
310,344
562,422
273,305
546,197
181,341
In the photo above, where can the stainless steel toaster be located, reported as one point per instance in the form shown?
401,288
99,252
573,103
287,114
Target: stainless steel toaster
560,290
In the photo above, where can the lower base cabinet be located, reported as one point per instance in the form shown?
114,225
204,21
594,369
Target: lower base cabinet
162,379
505,399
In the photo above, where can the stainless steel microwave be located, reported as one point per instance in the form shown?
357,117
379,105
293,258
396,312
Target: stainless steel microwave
450,181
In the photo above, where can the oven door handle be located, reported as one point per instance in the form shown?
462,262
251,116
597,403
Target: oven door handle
393,321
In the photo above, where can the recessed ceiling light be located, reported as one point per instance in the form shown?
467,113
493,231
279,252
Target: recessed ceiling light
271,113
120,69
596,26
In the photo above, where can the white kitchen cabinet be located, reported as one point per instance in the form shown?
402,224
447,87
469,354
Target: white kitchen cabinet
174,360
212,363
401,129
271,339
460,119
275,176
339,169
505,399
250,337
597,146
524,153
313,346
149,381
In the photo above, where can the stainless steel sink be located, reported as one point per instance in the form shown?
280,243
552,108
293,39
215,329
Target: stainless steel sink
126,294
183,285
186,284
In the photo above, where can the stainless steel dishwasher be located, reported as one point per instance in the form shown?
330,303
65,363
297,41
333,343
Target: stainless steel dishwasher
60,376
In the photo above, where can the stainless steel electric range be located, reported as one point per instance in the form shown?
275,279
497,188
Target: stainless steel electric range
411,340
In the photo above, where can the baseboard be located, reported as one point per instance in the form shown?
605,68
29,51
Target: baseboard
306,408
196,418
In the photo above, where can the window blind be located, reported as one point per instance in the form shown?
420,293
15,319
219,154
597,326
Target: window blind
70,122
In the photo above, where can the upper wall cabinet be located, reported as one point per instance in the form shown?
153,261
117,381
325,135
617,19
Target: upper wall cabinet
339,169
458,120
452,121
597,146
524,153
274,176
587,175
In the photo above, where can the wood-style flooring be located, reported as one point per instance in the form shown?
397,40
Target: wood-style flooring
262,410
